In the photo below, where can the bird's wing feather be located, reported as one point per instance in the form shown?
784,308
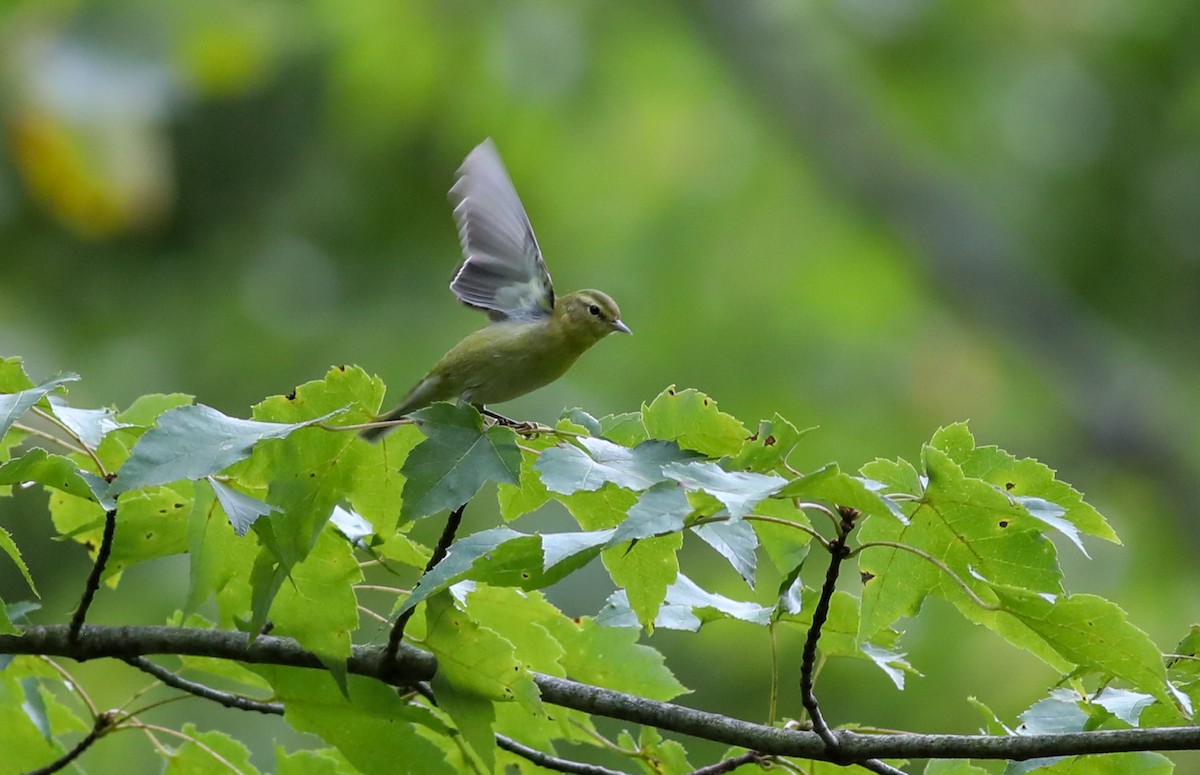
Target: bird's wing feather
502,272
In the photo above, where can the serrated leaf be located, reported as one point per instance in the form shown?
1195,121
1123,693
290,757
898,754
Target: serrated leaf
1093,633
9,547
1123,704
736,542
57,472
13,405
1023,477
376,729
241,509
582,419
90,425
970,527
459,559
196,755
625,429
611,657
476,666
738,491
662,509
686,607
692,419
351,525
529,494
892,663
832,485
568,469
645,570
455,460
192,442
769,447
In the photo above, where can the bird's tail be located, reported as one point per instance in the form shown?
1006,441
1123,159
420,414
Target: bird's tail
375,434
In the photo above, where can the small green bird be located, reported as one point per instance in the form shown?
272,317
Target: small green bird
533,339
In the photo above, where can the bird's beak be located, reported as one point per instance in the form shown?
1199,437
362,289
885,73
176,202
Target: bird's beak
619,326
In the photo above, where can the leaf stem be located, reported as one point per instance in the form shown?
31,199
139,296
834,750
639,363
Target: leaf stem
976,599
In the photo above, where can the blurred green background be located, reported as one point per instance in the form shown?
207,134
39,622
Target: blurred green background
875,216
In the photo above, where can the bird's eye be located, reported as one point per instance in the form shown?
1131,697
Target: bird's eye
595,310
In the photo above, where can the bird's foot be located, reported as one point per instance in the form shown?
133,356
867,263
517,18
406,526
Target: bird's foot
521,427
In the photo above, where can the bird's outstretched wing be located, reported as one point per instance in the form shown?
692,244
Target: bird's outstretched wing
502,272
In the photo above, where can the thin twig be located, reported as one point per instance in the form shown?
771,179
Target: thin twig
100,469
93,580
439,552
976,599
100,727
552,762
188,738
228,699
731,764
49,437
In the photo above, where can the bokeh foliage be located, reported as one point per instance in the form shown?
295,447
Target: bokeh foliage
874,217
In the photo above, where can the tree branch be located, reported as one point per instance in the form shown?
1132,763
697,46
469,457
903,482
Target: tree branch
228,699
413,664
93,580
552,762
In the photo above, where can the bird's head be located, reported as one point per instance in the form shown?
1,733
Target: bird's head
589,316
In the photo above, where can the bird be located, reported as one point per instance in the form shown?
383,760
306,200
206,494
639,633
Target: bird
533,337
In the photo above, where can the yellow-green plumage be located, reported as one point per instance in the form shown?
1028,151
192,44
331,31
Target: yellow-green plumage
533,338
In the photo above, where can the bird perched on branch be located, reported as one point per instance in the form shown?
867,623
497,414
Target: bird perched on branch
533,338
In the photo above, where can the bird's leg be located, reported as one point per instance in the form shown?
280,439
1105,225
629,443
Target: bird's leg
523,428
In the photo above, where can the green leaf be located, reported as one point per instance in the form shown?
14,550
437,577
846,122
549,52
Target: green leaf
1123,704
626,429
1093,633
738,491
192,442
1126,763
308,473
692,419
241,509
892,663
662,509
13,405
458,561
145,410
612,658
478,667
769,447
151,523
57,472
831,485
736,542
456,459
581,419
198,755
90,425
645,570
327,761
1021,478
318,607
9,547
970,527
529,494
377,730
520,618
946,767
686,607
568,469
